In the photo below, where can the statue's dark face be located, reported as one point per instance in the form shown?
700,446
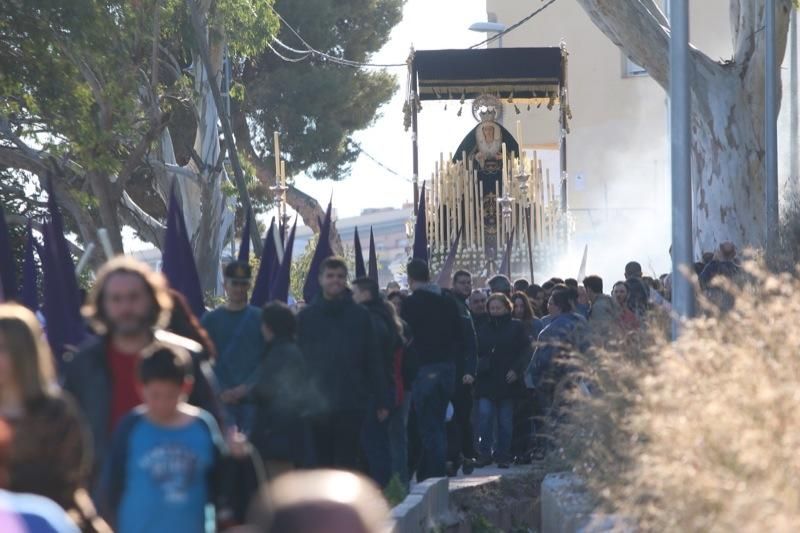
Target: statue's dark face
488,133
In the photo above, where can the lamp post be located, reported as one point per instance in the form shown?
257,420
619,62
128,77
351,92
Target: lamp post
490,27
771,77
680,107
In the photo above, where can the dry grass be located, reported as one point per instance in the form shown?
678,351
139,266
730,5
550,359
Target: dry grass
702,434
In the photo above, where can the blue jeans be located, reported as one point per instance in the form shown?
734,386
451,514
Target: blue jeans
431,392
398,439
503,411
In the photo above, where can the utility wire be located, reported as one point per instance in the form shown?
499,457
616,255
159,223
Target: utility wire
310,50
285,58
514,26
383,166
339,60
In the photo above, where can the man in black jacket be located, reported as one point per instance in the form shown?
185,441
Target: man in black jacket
437,341
338,340
127,306
375,438
460,443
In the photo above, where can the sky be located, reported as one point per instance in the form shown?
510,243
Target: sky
426,24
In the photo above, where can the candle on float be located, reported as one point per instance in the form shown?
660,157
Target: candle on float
276,148
458,224
505,165
498,211
481,221
519,134
435,205
470,204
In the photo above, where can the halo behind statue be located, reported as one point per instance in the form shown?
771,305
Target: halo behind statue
487,103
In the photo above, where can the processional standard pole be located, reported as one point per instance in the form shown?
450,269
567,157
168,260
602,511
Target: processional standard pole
771,131
680,105
414,97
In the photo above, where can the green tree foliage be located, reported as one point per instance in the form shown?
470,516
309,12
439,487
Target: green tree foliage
300,267
79,100
316,104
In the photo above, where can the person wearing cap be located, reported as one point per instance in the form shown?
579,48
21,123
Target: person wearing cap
235,328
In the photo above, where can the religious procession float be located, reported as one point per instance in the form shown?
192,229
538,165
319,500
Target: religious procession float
490,206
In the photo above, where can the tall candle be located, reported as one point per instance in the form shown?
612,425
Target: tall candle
470,204
505,164
277,153
481,224
457,180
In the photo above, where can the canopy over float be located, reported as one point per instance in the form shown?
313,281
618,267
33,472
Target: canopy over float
489,169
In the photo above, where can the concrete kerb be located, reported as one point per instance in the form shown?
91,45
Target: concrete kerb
409,515
427,503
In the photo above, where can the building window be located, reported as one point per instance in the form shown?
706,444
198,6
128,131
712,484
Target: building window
631,69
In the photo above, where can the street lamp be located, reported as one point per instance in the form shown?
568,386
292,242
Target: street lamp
490,27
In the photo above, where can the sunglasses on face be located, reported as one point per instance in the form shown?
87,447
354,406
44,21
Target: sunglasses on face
240,283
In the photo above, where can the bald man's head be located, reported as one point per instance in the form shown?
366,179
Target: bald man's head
727,251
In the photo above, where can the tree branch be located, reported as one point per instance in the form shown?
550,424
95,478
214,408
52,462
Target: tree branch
137,155
15,158
145,225
106,117
19,220
640,29
241,185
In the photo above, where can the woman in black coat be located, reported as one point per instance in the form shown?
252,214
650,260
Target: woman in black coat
280,431
503,353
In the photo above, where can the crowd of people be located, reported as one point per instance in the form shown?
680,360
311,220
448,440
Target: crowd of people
164,421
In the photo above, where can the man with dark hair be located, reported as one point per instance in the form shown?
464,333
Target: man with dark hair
437,342
521,285
338,340
460,438
235,328
638,292
572,283
603,313
127,306
500,284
